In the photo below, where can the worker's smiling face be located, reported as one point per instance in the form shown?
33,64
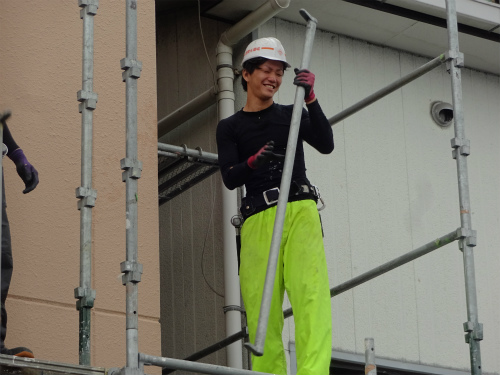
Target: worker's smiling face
265,80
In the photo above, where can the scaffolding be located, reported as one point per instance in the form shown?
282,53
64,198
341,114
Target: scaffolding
464,235
181,168
86,195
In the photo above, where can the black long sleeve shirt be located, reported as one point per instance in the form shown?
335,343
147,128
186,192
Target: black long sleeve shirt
245,133
9,140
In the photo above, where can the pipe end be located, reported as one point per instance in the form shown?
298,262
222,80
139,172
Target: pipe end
280,4
307,16
254,349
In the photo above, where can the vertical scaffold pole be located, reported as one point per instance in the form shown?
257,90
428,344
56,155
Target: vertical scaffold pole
461,149
370,366
131,269
86,195
3,118
260,336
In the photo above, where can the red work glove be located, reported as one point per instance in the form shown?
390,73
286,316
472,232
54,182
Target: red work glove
305,79
264,155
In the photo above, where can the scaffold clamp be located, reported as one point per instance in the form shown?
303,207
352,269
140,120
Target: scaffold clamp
473,331
132,168
456,57
132,68
91,5
469,235
87,197
87,99
85,297
132,272
460,145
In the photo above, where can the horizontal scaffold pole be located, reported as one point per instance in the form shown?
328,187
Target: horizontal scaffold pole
204,368
388,89
187,111
197,153
392,264
213,348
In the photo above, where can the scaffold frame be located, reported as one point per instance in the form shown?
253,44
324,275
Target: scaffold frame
132,270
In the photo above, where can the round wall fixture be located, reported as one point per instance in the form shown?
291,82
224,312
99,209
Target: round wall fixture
442,113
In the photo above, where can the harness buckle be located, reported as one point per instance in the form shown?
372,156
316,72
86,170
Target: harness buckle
273,198
315,191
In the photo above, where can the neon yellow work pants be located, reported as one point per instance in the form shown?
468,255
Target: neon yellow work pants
303,273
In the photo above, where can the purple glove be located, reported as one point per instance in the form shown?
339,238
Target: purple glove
305,79
25,170
264,155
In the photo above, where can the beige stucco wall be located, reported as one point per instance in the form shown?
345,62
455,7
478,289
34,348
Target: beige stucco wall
40,65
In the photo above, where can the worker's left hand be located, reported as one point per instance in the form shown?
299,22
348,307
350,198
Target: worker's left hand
25,170
305,78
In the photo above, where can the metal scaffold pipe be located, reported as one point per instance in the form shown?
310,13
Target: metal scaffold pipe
461,149
370,366
87,196
212,348
387,90
258,17
187,111
198,153
202,368
390,265
3,117
132,168
258,347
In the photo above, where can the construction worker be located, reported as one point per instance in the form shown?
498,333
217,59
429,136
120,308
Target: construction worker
29,175
251,147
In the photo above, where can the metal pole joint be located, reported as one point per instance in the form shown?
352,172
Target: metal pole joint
128,371
132,168
85,296
454,57
473,331
132,272
469,235
90,5
132,68
460,146
87,197
87,99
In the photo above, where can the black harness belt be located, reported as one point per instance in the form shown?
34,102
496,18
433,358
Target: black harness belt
260,202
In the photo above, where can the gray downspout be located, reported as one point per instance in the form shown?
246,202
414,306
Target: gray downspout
225,102
87,195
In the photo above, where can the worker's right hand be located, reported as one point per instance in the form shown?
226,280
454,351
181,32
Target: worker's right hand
25,170
263,156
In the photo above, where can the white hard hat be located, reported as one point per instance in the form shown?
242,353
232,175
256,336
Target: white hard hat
268,48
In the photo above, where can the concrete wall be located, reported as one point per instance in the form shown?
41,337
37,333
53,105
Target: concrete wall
41,74
390,186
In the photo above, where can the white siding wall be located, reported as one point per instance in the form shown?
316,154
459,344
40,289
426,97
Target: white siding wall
390,187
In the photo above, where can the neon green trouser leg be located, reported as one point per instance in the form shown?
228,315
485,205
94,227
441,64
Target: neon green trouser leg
303,273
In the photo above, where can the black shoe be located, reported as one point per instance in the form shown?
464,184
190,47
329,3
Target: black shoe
18,352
